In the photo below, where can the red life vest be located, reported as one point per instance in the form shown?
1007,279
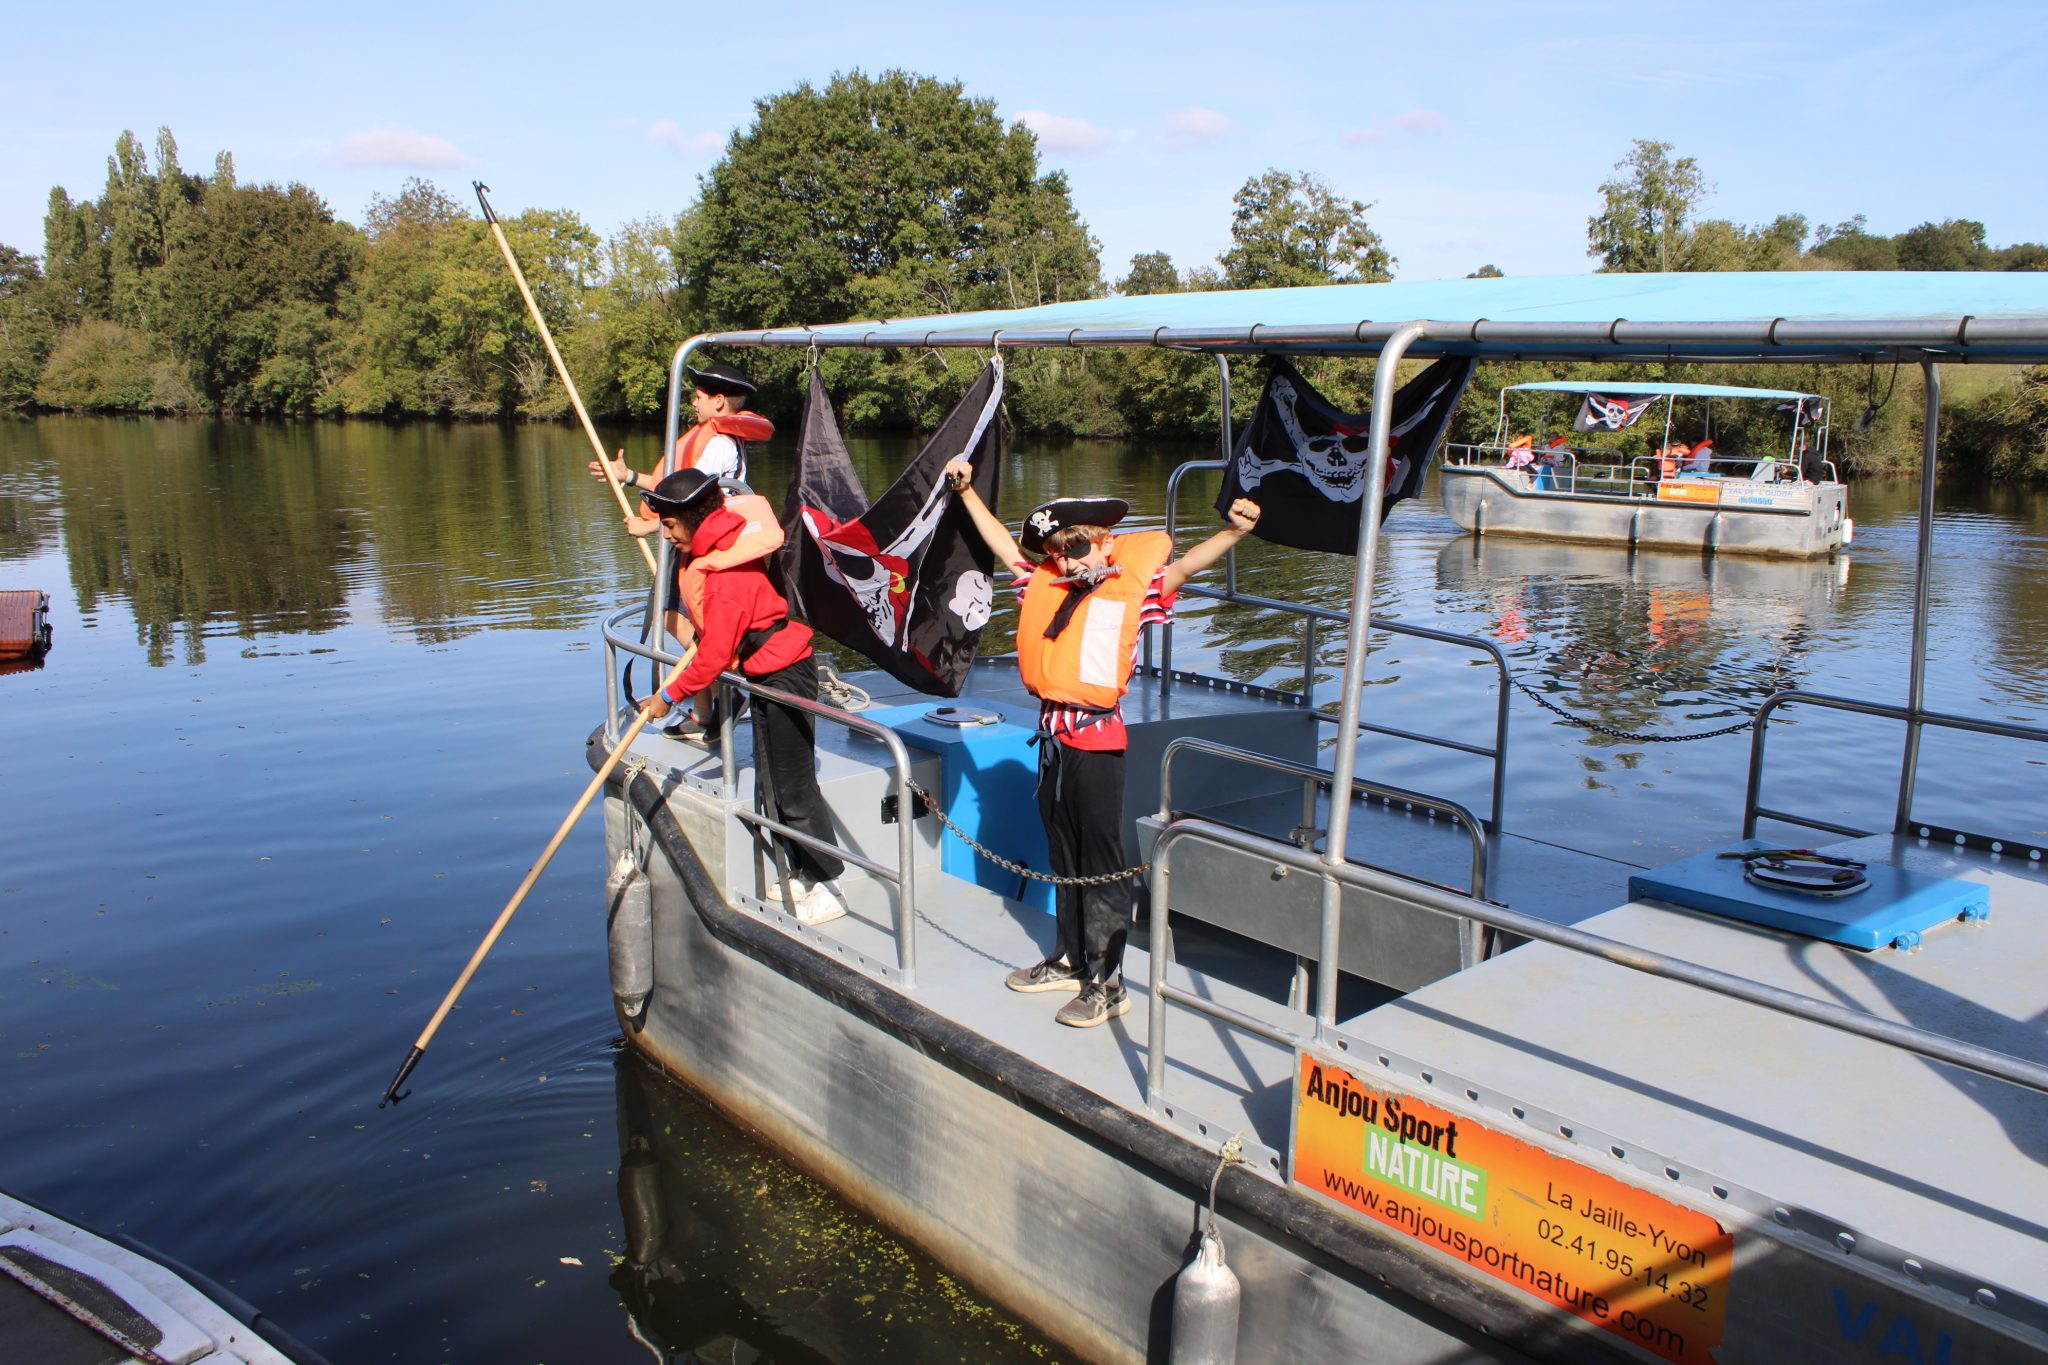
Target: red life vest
1090,663
759,538
741,426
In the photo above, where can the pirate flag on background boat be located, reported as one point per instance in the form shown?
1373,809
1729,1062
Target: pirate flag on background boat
1602,413
1304,462
905,581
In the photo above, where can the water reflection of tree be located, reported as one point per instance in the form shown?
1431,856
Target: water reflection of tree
199,524
28,494
261,529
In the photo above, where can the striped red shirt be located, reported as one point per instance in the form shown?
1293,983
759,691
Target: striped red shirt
1083,727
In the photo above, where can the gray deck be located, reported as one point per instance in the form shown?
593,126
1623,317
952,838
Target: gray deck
1790,1124
1931,1161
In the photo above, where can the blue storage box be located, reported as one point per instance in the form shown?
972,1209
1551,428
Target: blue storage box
990,790
1895,909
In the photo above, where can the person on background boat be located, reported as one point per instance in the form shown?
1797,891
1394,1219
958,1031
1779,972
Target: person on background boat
1702,459
1086,595
717,444
740,620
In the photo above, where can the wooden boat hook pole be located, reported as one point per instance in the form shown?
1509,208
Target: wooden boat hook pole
548,339
476,959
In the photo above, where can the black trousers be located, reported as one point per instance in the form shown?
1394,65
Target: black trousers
786,752
1081,801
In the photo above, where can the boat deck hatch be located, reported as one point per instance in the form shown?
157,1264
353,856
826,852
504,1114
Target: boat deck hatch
1894,908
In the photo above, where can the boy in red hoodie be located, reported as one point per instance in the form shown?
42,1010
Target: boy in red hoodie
741,621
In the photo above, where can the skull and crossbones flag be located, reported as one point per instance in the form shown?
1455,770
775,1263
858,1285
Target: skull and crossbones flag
1304,462
1602,413
905,581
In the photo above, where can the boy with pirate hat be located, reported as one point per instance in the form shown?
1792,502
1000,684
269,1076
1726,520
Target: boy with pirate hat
717,444
742,622
1087,593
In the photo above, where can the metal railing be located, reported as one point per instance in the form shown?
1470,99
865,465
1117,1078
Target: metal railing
1316,780
1753,808
1636,477
1495,753
902,880
1937,1047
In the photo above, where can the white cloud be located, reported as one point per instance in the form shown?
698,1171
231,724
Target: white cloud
1423,123
1414,123
666,132
402,148
1195,124
1057,133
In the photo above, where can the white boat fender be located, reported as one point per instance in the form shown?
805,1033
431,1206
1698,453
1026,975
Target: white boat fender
640,1201
1848,530
1206,1294
1206,1298
629,933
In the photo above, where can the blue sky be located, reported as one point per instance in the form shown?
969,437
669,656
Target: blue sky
1480,130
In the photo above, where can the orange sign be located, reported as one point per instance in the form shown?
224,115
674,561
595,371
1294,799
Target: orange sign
1637,1265
1689,492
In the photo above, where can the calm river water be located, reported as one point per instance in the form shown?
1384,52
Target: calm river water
319,694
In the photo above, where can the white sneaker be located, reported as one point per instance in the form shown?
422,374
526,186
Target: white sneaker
820,904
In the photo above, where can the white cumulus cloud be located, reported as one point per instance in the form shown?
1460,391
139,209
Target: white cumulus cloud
1057,133
1365,137
1423,123
402,148
666,132
1196,124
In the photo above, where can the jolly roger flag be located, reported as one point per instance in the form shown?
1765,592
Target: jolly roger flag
1601,413
905,581
1304,462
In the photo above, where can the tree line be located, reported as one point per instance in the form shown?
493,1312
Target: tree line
886,196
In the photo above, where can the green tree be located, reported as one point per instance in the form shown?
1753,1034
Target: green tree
1951,244
1487,272
1151,272
99,366
435,324
26,331
251,269
637,316
1643,223
871,178
1293,230
1851,246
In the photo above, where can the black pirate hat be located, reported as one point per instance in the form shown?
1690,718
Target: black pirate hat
1061,513
721,379
679,490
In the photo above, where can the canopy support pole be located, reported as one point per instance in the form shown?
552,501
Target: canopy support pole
1916,686
1385,380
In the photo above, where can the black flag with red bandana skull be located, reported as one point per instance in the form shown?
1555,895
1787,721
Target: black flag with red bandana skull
905,581
1304,461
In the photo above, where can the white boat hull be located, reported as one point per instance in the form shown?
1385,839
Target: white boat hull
1731,516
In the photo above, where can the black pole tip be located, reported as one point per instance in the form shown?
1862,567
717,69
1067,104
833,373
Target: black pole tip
392,1094
490,214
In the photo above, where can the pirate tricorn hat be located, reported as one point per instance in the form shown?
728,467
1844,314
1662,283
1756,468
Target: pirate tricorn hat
721,379
1061,513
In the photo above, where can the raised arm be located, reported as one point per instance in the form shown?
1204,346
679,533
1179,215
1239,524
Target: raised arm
1244,514
959,475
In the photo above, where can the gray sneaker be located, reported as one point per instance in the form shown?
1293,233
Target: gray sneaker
1096,1004
1049,975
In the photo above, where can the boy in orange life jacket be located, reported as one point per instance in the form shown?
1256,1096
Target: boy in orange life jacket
743,622
1086,595
716,444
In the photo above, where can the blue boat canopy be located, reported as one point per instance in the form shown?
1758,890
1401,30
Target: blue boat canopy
1799,316
1639,388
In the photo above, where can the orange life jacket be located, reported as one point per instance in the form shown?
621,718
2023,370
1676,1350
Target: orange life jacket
760,537
1090,663
741,426
1671,455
